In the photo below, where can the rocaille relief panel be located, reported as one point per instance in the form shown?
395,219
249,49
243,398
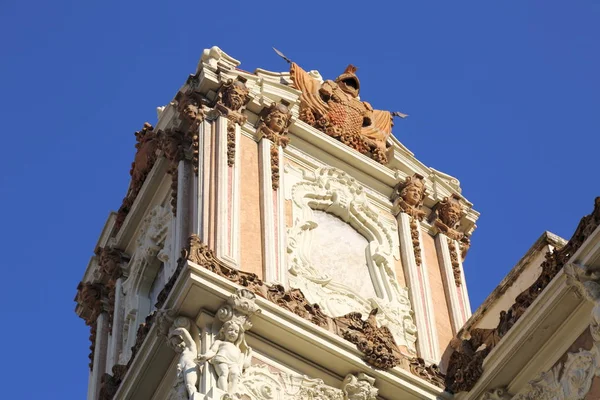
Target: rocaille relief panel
341,252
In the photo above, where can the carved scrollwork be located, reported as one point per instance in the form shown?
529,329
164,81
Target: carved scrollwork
338,194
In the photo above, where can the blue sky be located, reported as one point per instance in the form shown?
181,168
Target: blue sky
503,95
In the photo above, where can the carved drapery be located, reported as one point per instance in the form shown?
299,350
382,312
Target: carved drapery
336,193
466,362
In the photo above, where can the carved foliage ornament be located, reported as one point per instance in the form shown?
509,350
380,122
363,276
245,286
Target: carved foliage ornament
231,101
333,107
447,216
466,362
273,125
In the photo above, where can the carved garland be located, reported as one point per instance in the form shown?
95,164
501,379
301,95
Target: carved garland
466,362
273,125
447,216
407,197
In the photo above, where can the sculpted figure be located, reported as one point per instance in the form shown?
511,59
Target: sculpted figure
234,95
187,369
229,355
448,214
274,123
334,108
408,196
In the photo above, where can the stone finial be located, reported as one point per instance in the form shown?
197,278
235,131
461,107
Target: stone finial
408,196
359,388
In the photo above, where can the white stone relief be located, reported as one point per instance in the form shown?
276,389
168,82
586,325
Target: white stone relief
496,394
260,383
361,387
153,248
229,355
332,191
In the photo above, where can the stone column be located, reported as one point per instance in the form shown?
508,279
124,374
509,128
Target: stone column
408,199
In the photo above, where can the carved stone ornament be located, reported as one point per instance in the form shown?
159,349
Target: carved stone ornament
466,362
260,383
408,198
496,394
376,342
361,387
273,124
231,102
146,146
447,216
229,354
430,373
334,108
338,194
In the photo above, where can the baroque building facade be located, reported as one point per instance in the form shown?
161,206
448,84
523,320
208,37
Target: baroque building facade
277,242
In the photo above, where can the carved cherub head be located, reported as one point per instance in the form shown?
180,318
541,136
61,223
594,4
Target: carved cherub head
176,340
348,81
235,94
278,118
413,190
232,332
450,211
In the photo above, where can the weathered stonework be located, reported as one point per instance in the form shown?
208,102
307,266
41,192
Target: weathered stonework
146,146
466,362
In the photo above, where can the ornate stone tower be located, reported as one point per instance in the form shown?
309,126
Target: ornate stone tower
276,242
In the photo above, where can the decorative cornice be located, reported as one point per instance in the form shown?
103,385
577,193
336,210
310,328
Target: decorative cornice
466,362
376,343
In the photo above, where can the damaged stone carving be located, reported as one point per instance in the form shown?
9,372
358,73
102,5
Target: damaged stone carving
408,198
273,125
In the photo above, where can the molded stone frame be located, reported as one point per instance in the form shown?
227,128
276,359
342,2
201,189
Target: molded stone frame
336,193
153,250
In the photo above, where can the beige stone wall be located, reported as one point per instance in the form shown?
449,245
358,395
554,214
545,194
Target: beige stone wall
443,323
400,273
250,224
530,273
